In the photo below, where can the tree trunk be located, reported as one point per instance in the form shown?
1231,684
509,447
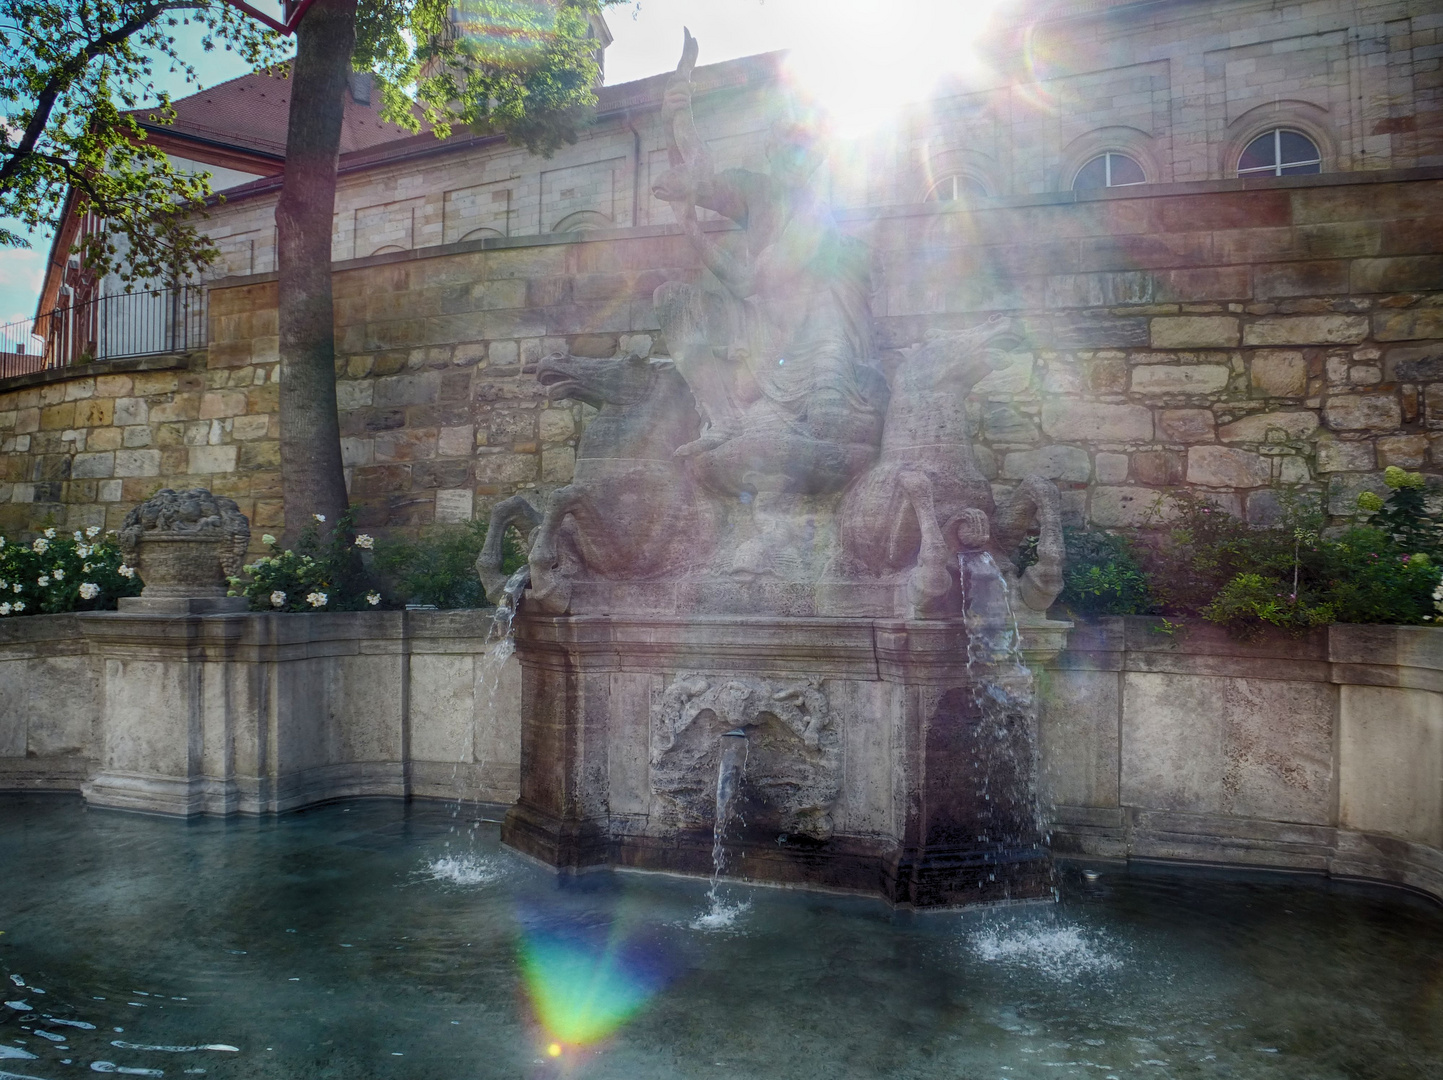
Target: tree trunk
312,479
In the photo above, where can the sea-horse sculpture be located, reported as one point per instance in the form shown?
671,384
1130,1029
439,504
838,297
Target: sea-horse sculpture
773,394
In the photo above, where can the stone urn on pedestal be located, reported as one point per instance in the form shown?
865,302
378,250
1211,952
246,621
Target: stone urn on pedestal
185,544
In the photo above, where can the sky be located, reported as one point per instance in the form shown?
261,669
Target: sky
862,57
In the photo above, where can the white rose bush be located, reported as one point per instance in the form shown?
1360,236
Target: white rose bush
318,574
55,572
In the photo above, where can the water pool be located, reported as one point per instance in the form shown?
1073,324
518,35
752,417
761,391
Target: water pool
375,939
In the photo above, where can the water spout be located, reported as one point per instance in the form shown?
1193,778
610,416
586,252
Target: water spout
731,769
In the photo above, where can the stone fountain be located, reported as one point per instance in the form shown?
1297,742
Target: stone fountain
765,535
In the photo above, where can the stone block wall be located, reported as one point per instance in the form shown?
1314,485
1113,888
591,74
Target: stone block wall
1234,338
257,713
1319,754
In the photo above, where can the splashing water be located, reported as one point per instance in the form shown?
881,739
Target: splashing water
466,870
1058,950
1002,693
720,915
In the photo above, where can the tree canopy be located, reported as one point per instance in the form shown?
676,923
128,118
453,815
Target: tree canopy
72,70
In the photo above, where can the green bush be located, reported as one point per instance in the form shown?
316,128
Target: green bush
56,573
1288,575
1102,575
440,567
1249,602
317,575
1405,517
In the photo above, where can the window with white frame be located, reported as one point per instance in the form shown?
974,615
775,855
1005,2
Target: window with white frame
1108,171
1280,152
955,187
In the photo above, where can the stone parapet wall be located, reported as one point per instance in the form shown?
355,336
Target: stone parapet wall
1320,754
257,713
1316,754
1233,337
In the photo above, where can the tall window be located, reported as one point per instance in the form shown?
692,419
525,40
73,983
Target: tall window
1108,170
957,186
1280,152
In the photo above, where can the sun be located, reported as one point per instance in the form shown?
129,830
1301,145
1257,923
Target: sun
864,59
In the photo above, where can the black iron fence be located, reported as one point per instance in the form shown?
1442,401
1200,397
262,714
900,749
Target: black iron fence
106,328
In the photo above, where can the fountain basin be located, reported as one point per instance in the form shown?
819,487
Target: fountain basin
871,768
351,941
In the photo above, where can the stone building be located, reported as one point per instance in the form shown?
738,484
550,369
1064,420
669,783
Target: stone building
1219,222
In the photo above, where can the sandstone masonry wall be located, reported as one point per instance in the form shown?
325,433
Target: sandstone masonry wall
1233,337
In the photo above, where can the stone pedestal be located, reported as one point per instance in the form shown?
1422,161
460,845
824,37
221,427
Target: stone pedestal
183,605
867,771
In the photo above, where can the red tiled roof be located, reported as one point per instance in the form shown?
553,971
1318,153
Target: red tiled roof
252,112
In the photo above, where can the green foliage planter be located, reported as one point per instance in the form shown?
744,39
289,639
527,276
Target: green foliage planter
1287,576
440,568
319,574
332,572
55,573
1102,574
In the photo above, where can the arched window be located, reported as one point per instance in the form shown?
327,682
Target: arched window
1108,171
957,186
1280,152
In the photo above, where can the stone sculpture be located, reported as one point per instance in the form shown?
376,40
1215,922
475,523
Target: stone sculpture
629,512
925,500
781,359
760,527
767,465
185,544
793,771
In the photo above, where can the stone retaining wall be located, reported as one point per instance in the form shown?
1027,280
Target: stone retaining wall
1234,336
256,713
1319,754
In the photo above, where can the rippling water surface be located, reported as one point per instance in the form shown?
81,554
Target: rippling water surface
371,939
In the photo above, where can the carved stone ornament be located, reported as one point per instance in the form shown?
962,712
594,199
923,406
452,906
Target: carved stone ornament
767,465
185,544
793,768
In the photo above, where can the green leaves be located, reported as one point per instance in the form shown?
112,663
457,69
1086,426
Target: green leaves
522,68
71,70
440,567
321,573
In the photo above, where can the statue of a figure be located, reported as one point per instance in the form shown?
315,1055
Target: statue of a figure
782,364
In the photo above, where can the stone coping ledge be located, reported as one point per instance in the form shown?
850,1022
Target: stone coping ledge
120,365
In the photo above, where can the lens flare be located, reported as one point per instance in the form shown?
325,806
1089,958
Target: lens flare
585,982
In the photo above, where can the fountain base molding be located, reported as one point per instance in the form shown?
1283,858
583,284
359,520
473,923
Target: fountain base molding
872,766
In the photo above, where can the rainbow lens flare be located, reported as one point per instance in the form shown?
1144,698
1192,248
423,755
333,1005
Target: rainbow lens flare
585,981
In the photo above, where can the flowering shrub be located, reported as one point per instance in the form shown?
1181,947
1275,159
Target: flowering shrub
80,572
319,574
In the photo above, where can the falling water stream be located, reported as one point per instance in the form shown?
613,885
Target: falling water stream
466,866
1002,692
731,770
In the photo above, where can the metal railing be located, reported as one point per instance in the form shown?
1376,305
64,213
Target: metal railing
106,328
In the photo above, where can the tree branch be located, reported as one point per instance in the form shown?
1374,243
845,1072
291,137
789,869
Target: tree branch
71,70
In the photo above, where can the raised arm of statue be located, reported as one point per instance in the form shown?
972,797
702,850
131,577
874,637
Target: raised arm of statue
736,276
687,148
691,182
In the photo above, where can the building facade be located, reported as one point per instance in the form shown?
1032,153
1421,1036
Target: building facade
1220,223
